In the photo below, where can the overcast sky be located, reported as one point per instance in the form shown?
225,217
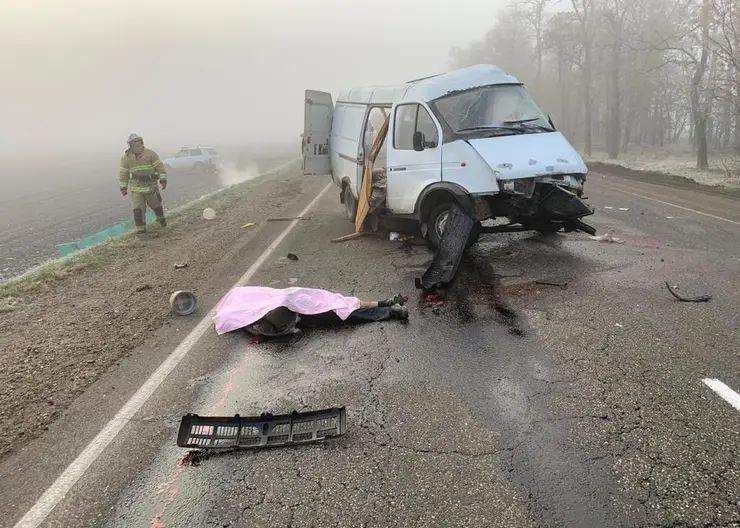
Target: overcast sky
86,73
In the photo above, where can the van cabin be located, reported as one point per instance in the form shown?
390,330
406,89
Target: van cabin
473,132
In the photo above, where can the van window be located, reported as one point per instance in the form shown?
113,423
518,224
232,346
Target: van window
413,118
352,121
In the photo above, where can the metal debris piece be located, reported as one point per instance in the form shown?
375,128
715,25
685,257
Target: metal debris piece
607,237
181,266
700,298
183,302
292,256
561,285
266,430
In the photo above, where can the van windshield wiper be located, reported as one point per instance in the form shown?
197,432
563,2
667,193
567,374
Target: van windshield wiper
530,124
484,128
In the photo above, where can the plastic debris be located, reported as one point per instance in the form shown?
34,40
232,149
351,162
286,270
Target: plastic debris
249,224
619,325
181,266
624,208
700,298
209,214
394,236
607,237
561,285
292,256
608,207
669,217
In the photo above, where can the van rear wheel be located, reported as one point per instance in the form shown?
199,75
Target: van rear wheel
436,226
350,204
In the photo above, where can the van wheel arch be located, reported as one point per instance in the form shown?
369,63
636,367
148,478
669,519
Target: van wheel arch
348,199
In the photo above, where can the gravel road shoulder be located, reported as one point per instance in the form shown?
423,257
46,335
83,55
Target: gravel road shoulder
62,329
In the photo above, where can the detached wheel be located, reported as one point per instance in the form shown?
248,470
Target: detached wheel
437,221
350,204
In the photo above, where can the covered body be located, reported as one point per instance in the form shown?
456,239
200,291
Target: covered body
244,305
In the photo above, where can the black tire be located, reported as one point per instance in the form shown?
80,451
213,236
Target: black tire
435,225
350,204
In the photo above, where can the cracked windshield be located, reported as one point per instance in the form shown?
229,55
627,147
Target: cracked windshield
291,264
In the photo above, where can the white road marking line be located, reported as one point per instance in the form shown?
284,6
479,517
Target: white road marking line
725,392
57,491
674,205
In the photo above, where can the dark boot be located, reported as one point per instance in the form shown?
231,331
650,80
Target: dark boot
139,221
399,312
159,211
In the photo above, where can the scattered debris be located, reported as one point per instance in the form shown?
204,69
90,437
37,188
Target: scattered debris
292,280
394,236
193,458
619,325
561,285
607,237
288,218
700,298
249,224
608,207
209,214
253,432
255,340
292,256
181,266
624,208
145,287
183,302
669,217
353,236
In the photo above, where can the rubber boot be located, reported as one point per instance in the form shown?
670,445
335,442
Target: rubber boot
159,211
139,221
399,312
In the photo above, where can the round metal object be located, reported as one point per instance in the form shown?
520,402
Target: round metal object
183,302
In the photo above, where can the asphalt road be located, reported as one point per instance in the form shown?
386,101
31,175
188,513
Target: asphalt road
57,201
516,404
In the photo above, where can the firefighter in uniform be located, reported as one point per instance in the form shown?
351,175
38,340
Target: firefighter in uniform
141,171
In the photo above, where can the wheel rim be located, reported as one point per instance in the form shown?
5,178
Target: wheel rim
440,223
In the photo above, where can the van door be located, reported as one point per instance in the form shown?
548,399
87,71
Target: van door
412,167
318,115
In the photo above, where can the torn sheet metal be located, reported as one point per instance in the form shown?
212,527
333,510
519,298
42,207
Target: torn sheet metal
447,258
266,430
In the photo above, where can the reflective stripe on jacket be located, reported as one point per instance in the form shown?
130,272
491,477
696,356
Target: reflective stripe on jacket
141,172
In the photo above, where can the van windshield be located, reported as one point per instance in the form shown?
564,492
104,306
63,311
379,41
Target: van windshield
492,110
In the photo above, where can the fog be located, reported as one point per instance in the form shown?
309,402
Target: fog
79,76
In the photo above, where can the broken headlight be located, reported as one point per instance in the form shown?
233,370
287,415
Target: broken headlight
522,186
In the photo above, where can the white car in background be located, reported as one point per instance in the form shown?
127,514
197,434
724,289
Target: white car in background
200,159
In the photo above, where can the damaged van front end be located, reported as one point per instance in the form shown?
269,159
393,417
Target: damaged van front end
517,162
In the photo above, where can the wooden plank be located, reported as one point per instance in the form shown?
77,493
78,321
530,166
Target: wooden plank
363,207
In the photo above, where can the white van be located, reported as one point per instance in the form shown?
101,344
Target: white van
474,136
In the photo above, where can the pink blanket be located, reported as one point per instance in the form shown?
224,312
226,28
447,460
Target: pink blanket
246,304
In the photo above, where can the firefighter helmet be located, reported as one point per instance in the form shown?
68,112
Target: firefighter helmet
134,137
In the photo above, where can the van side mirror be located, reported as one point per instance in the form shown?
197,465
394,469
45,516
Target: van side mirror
549,120
418,141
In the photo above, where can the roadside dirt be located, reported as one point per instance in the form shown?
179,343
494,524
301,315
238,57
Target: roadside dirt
60,338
